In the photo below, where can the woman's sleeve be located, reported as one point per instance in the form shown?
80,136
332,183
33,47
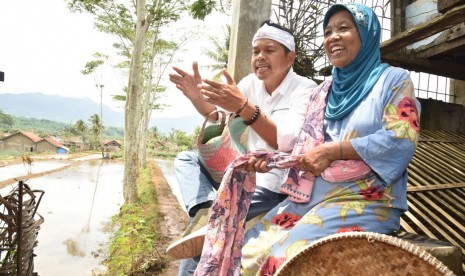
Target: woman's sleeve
389,150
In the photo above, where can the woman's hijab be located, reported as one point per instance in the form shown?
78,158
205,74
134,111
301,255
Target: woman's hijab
352,83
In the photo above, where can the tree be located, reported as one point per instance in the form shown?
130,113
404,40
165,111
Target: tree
90,68
6,121
220,53
136,25
96,128
80,127
201,8
161,55
303,17
181,139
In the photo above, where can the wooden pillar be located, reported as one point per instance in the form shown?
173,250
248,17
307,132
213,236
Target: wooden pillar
457,92
246,19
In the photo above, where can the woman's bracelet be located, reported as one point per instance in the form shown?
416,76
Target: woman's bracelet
242,106
254,116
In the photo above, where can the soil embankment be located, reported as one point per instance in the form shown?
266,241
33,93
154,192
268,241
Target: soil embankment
174,218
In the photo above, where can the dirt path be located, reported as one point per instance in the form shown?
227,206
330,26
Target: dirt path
174,218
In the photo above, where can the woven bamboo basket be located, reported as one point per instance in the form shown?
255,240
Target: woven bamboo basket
362,253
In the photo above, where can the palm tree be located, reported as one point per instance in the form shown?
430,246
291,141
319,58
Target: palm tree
81,128
96,129
220,54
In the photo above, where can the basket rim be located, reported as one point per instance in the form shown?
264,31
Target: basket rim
371,237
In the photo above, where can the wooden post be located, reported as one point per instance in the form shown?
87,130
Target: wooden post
246,19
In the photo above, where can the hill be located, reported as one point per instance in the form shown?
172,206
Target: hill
57,108
68,110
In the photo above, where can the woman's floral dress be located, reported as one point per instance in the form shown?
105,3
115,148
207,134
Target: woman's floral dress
384,130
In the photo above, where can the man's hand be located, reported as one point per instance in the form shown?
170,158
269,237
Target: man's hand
188,83
224,95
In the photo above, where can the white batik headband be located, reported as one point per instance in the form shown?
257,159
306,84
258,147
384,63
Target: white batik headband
273,33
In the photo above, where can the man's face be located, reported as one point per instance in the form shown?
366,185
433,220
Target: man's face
270,62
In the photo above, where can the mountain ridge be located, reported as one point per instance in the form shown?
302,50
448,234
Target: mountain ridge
69,110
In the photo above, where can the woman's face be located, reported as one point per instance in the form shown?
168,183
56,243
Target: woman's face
341,39
270,63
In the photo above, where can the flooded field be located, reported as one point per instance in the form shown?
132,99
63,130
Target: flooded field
167,168
77,206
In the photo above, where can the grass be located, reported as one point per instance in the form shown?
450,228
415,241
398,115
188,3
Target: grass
132,250
7,155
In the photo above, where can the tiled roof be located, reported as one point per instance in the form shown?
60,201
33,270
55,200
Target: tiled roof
106,142
34,137
54,142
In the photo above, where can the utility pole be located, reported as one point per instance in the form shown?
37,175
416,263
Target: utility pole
246,19
100,88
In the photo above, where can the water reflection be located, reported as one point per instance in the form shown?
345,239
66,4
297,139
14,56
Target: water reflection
77,206
167,167
16,170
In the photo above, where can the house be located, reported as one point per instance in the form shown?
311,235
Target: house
76,144
24,141
112,145
50,144
20,141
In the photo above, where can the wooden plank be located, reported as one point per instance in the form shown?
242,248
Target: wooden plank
419,224
424,30
406,227
445,5
442,49
435,187
442,169
444,215
440,140
414,206
433,66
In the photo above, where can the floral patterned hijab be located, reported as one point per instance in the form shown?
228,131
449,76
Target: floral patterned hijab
352,83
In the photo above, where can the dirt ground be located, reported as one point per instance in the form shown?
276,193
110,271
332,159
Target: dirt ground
174,219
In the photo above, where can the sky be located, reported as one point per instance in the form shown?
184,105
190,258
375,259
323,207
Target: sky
44,47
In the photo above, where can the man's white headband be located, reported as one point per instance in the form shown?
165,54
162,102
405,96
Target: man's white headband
273,33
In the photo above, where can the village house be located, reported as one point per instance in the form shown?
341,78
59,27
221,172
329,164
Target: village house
24,141
20,141
76,144
112,145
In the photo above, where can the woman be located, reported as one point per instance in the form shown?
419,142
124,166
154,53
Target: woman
367,113
371,115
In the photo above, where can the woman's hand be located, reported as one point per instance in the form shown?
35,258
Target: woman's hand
257,165
317,159
224,95
188,83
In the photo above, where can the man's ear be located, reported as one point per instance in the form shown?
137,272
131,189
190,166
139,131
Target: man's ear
290,58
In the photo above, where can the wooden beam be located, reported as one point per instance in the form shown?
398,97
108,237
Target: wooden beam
447,48
453,43
445,5
435,187
433,66
424,30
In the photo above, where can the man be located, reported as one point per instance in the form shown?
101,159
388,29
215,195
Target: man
271,101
